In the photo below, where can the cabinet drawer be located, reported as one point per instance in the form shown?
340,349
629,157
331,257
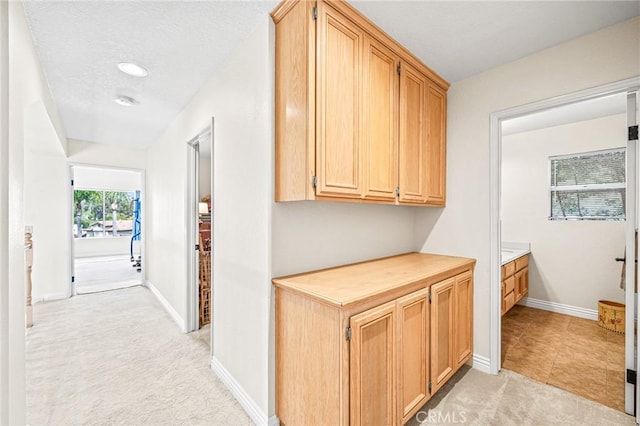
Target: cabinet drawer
509,301
521,262
508,269
509,284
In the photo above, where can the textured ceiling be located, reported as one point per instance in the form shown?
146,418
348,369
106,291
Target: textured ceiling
183,43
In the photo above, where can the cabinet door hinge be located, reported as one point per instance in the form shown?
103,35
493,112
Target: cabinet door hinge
347,333
314,13
73,278
398,68
314,181
429,297
71,182
631,376
429,386
633,133
397,191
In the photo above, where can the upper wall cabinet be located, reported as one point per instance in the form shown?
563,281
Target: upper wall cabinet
358,117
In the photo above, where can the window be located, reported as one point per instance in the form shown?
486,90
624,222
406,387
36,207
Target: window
103,213
588,185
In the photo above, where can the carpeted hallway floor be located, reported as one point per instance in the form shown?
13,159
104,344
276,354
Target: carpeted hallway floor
117,358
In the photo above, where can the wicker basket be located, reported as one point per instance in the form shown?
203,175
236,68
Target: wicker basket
205,306
611,316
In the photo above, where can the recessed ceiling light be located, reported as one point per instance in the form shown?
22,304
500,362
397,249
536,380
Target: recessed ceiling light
125,101
133,69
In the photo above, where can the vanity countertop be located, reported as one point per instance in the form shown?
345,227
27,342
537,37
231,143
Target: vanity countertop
512,251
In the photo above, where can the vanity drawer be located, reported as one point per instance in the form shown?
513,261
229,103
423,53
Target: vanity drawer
509,300
508,269
521,262
509,284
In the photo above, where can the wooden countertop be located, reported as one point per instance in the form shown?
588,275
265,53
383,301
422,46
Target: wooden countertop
345,286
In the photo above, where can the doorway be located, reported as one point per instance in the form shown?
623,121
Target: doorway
200,208
106,217
627,88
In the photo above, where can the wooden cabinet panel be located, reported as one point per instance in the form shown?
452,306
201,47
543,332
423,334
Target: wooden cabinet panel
463,319
509,284
435,152
521,283
412,353
442,332
380,123
413,135
295,82
372,366
338,147
521,262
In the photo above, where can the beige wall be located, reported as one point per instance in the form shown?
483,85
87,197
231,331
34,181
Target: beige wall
462,228
571,262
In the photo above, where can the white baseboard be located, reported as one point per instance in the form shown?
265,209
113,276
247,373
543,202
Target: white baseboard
257,415
274,421
574,311
481,363
167,306
51,297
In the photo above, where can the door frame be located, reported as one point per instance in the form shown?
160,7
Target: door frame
143,274
496,118
192,319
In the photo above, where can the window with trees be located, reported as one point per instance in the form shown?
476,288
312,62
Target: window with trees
103,213
588,185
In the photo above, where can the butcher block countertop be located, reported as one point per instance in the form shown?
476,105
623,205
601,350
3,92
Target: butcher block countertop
349,285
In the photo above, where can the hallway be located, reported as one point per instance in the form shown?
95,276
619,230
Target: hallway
117,358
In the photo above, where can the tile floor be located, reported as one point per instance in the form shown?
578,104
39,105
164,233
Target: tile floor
567,352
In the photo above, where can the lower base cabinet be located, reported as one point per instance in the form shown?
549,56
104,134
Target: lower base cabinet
398,352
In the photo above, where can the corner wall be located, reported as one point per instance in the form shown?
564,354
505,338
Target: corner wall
602,57
239,97
27,86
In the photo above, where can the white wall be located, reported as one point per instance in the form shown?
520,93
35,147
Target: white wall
204,179
4,214
106,179
83,152
27,86
239,97
46,205
462,228
571,262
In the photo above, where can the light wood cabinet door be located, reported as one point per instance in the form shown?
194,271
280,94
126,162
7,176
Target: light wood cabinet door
339,70
413,135
372,366
463,326
412,353
522,283
380,123
436,145
442,332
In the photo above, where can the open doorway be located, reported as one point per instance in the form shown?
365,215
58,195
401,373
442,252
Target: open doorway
199,202
559,206
562,213
106,216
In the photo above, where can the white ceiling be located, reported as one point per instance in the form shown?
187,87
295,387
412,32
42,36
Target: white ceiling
183,43
571,113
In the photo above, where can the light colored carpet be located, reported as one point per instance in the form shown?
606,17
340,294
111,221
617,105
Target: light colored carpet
509,399
117,358
95,274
